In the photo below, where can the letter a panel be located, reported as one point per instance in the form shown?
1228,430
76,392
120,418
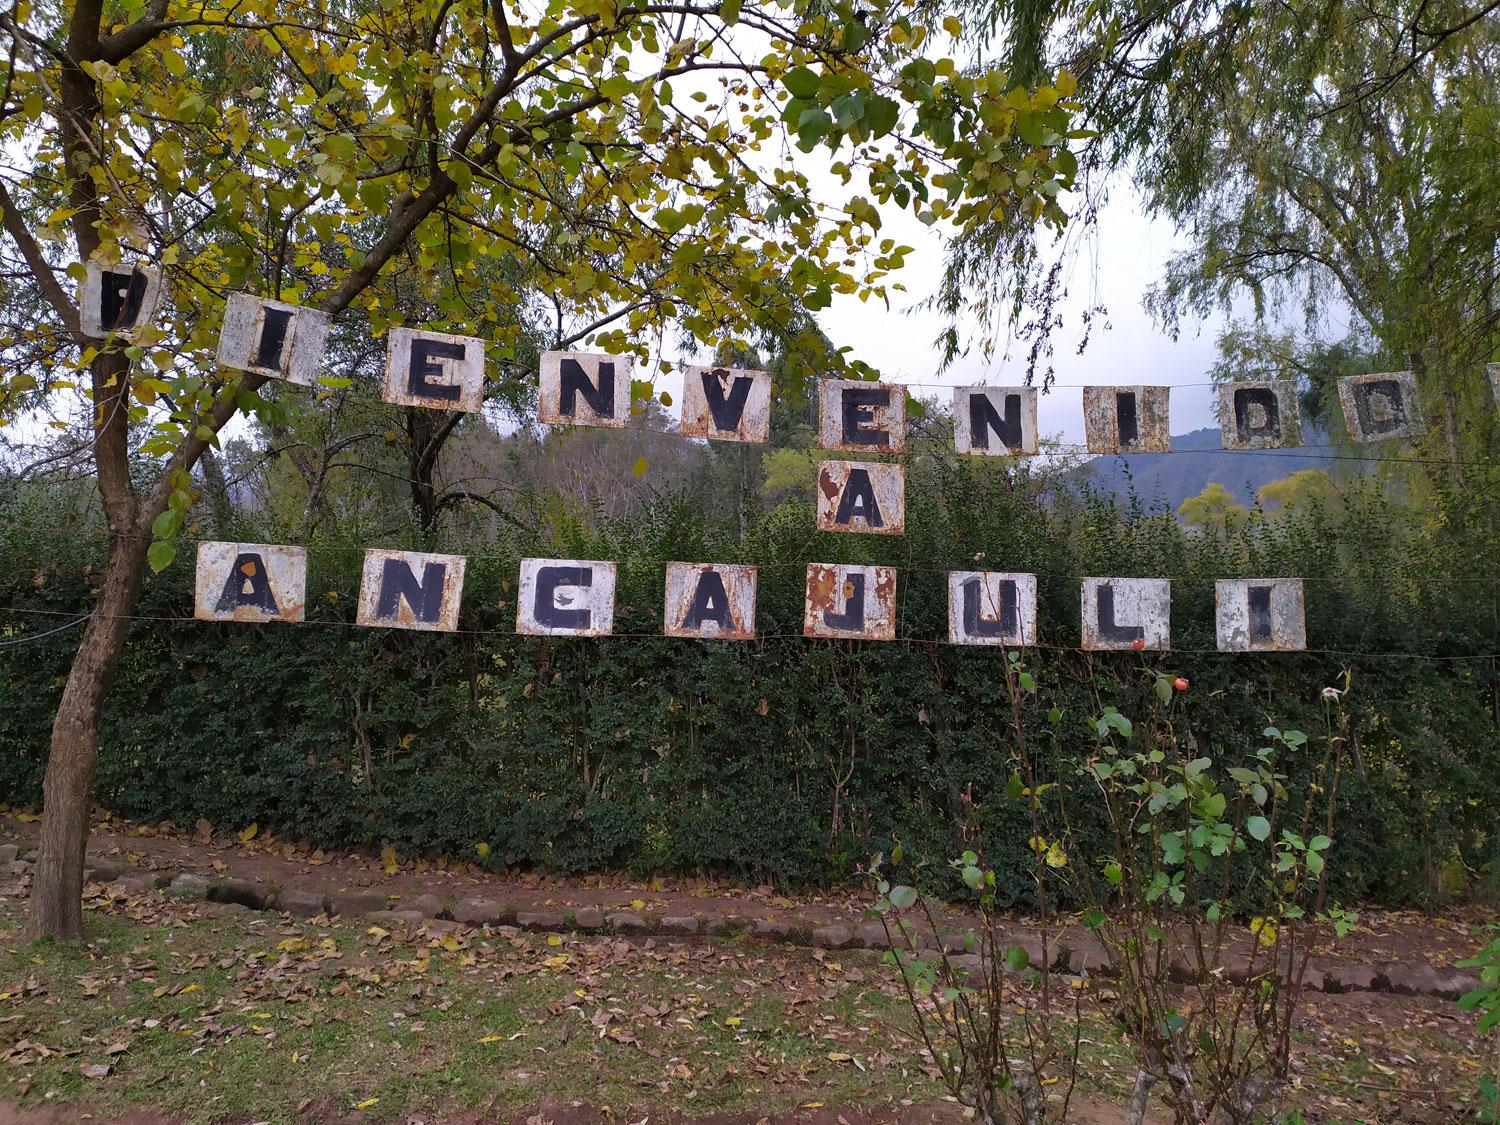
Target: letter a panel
250,582
566,598
850,601
411,590
865,496
584,389
726,404
1260,615
434,369
710,600
1127,613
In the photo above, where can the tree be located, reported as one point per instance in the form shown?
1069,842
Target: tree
1213,512
352,155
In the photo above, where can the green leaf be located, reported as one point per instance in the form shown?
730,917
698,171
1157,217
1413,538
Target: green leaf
801,82
903,897
973,877
1243,776
729,12
1258,827
165,526
1094,918
881,114
1113,873
1016,958
160,555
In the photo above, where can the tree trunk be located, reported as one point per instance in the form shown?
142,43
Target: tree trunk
57,892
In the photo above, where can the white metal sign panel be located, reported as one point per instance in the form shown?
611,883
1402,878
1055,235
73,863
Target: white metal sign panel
1381,406
117,299
850,601
995,421
991,608
566,598
710,600
273,338
584,389
434,369
1127,613
1262,414
1260,615
250,582
411,590
726,404
865,496
860,416
1127,419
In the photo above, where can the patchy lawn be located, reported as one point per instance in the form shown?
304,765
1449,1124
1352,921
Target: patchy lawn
213,1014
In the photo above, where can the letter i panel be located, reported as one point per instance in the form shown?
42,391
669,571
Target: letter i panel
250,582
861,417
865,496
1259,415
1127,613
1260,615
566,598
710,600
1126,419
726,404
584,389
273,338
850,601
989,608
1381,406
434,369
410,590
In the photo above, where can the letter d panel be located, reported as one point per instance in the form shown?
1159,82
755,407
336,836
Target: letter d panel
988,608
434,369
566,598
1260,615
250,582
583,389
273,338
408,590
850,601
1126,419
726,404
710,600
1127,613
867,496
1381,406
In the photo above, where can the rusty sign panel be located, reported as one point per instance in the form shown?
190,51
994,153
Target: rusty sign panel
434,369
117,299
850,601
1261,414
710,600
1381,406
1126,419
864,496
862,417
1127,613
584,389
1260,615
995,421
250,582
411,590
990,608
273,338
566,598
726,404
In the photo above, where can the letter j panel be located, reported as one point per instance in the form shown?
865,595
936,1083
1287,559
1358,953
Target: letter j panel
250,582
1127,613
1260,615
411,590
850,601
566,598
989,608
710,600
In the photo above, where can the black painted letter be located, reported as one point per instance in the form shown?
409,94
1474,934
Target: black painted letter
726,409
421,370
983,417
248,584
1260,615
710,603
1245,400
425,597
273,338
1127,423
573,382
549,579
1390,417
1105,615
860,404
852,616
975,623
858,499
120,298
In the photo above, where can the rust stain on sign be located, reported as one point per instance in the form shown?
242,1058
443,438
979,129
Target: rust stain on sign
861,417
1260,414
850,601
1260,615
1127,613
411,590
250,582
273,338
710,600
726,404
566,598
434,369
584,389
1381,406
1127,419
861,496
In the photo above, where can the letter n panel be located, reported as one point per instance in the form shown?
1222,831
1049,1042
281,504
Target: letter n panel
584,389
250,582
995,421
411,590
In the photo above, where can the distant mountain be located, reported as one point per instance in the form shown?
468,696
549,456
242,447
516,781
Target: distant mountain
1167,479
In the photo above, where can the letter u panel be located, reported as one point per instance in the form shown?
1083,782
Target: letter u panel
1259,415
411,590
1119,612
250,582
861,417
710,601
584,389
990,608
434,369
726,404
1260,615
995,421
864,496
273,338
566,598
1127,419
1381,406
850,601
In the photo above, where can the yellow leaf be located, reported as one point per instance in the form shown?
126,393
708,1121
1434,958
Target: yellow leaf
733,1021
491,1039
838,1057
637,904
191,988
639,469
554,939
367,1103
482,850
559,962
294,945
248,834
388,857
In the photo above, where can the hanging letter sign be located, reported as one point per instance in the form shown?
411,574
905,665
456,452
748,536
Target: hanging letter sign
710,600
726,404
1259,415
1126,419
1118,612
409,590
117,299
434,369
584,389
250,582
566,598
863,417
1381,406
996,421
867,496
1260,615
273,338
850,601
988,608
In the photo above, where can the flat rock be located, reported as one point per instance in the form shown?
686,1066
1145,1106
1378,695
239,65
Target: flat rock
241,892
189,884
1429,980
588,918
1344,978
301,904
872,935
626,921
138,884
9,853
396,917
479,912
101,870
19,867
429,905
833,937
356,904
541,919
771,928
441,926
680,924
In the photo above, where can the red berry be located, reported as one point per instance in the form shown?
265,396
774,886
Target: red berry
1180,684
1138,644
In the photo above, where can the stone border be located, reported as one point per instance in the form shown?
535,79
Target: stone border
443,915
